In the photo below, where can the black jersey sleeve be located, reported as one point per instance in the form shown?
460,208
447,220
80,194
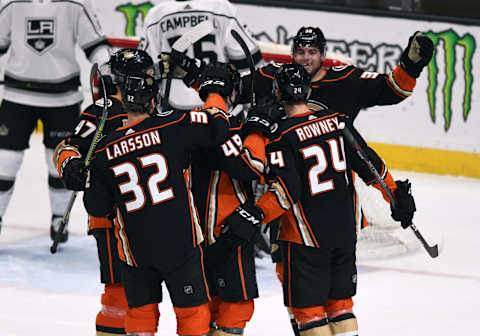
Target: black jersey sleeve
206,128
97,197
373,88
236,160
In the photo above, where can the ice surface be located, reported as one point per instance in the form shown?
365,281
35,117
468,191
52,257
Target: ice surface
44,294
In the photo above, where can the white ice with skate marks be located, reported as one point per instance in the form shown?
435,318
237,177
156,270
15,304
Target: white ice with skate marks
44,294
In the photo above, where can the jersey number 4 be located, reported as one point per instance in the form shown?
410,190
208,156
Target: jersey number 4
133,186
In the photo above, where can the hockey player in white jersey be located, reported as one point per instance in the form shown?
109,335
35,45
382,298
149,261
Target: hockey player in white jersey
42,79
167,21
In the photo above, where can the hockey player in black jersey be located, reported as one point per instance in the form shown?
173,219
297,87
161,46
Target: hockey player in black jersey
221,176
140,174
311,186
69,158
349,89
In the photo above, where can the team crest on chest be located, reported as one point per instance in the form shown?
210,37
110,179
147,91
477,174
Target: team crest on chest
40,34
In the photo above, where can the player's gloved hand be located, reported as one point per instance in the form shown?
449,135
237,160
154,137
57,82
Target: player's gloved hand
404,204
263,119
239,228
181,66
74,174
244,222
216,77
110,88
417,54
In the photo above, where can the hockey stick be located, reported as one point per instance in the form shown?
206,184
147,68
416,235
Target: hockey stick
431,250
98,135
182,44
251,64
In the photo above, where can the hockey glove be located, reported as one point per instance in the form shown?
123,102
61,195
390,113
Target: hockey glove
263,119
74,174
417,55
218,78
181,66
404,204
244,222
239,228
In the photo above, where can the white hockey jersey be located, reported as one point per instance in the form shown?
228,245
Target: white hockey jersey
41,36
167,21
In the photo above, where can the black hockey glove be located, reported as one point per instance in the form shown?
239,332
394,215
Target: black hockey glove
216,77
74,174
244,222
417,54
181,66
263,119
404,204
239,228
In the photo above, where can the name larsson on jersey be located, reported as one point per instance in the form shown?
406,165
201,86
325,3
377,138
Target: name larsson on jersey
132,144
317,128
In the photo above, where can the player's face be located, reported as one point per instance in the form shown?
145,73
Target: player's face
310,57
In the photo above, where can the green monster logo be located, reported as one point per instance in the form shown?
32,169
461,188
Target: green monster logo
131,13
450,40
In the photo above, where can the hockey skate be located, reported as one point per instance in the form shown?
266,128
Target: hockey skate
54,226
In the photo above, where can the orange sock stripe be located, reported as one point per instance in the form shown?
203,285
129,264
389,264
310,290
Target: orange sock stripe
235,314
337,305
308,314
193,320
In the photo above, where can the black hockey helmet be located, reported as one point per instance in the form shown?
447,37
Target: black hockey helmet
129,61
138,91
218,77
310,37
292,83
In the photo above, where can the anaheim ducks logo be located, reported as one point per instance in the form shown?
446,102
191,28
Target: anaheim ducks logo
315,105
40,34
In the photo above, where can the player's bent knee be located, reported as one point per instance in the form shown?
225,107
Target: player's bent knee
341,319
338,307
234,315
193,321
111,319
312,321
142,319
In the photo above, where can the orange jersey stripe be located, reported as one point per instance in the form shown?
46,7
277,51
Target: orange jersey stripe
240,268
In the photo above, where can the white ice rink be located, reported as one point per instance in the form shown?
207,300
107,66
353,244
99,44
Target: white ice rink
44,294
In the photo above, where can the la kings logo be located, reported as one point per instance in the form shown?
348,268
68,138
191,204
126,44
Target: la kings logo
40,34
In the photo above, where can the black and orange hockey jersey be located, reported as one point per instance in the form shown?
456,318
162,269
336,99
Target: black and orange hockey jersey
221,179
141,171
311,183
346,89
79,142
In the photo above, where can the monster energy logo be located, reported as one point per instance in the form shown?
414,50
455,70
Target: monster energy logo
450,41
131,14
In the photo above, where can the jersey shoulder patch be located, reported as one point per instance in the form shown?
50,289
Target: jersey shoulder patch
339,72
101,102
